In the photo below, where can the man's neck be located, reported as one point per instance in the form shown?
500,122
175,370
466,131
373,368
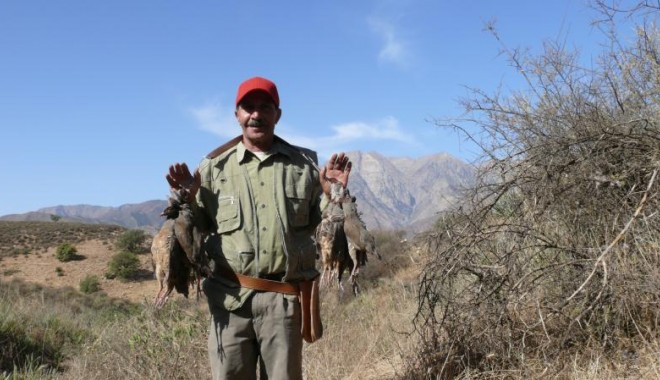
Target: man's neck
254,146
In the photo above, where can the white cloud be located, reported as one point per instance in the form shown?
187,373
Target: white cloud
220,120
216,118
360,135
395,49
355,135
385,129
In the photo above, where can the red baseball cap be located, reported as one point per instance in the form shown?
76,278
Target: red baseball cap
261,84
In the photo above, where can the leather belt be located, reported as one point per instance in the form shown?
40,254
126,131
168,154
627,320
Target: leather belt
260,284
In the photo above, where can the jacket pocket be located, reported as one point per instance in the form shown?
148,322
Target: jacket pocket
297,203
229,215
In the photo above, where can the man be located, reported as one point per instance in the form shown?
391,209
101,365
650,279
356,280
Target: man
260,199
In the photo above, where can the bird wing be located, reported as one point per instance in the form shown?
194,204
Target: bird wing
161,253
356,230
353,226
353,232
161,245
180,272
183,230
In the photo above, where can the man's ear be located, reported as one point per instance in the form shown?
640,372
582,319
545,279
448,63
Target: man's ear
279,115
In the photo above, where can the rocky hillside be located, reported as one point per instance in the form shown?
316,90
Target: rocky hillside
405,193
145,215
393,193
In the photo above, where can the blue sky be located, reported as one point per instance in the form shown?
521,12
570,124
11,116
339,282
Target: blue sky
97,98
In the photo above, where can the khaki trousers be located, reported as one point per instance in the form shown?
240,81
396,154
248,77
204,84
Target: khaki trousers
265,330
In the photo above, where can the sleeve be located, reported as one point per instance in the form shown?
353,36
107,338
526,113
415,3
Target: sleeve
202,208
319,200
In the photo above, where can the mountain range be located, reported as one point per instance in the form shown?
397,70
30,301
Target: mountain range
392,194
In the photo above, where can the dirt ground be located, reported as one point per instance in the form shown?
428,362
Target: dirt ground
41,267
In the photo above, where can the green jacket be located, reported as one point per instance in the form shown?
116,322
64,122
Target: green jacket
261,214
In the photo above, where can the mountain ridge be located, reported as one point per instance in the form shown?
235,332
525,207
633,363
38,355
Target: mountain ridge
393,193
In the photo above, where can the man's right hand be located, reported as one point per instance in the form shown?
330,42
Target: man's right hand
179,177
336,169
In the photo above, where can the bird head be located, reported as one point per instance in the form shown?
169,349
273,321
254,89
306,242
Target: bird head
174,203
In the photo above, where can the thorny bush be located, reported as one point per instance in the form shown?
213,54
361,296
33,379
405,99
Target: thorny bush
556,248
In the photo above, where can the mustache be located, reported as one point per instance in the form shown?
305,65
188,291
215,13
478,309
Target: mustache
254,123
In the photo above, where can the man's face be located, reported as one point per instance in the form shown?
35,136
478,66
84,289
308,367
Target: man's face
257,115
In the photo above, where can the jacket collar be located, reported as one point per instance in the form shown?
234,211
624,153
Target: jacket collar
277,148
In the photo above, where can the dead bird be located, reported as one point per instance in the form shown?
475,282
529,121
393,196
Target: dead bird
332,244
360,241
177,256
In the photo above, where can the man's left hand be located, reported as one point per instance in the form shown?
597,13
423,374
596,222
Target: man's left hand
336,169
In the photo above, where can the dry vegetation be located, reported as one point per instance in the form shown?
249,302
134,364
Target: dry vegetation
551,265
53,333
34,237
58,332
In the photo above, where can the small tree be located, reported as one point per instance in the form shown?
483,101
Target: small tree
66,252
124,265
131,241
90,284
55,218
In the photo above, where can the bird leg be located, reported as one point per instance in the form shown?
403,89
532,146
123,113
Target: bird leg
198,279
163,294
163,299
158,295
356,286
354,256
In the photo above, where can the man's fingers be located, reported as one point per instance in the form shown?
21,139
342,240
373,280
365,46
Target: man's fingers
339,162
171,181
180,169
347,171
184,169
172,177
179,176
331,162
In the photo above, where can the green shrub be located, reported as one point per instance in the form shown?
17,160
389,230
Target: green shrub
131,241
123,265
66,252
59,271
90,284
